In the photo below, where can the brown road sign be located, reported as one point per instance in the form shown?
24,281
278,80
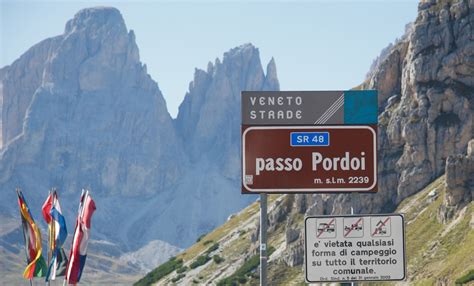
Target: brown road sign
298,159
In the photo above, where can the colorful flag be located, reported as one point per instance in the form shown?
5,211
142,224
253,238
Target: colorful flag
57,235
46,209
78,254
36,265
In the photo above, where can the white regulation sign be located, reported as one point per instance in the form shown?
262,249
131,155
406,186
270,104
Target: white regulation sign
355,248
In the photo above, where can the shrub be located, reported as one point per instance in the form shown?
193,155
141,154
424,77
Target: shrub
201,260
217,259
214,247
177,278
208,242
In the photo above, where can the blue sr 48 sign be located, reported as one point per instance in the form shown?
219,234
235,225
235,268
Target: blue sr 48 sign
302,139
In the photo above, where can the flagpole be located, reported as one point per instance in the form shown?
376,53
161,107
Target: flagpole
50,226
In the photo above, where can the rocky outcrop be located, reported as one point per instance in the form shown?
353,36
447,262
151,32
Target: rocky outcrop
291,235
459,186
279,213
293,255
386,71
460,177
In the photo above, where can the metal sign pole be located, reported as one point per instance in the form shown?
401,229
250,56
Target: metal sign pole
263,239
352,212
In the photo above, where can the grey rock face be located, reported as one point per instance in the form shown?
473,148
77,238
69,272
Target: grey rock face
426,85
271,78
278,214
460,178
434,118
459,184
293,255
291,235
426,102
18,83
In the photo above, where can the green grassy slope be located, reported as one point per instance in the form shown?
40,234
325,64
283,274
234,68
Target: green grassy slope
437,252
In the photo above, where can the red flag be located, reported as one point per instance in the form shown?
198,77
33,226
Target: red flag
89,208
46,209
77,258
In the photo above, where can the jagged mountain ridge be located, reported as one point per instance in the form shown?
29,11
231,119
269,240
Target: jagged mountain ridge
79,110
207,95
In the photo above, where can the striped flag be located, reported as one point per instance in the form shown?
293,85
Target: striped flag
78,254
36,265
57,235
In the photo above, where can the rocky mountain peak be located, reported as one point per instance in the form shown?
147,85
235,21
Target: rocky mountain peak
94,52
95,43
271,68
96,19
245,50
271,78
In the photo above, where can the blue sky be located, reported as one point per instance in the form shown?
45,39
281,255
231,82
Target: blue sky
317,45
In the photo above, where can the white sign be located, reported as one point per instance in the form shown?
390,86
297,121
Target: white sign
354,248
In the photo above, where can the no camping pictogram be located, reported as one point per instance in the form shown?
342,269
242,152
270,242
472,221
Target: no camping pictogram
353,227
380,226
326,228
